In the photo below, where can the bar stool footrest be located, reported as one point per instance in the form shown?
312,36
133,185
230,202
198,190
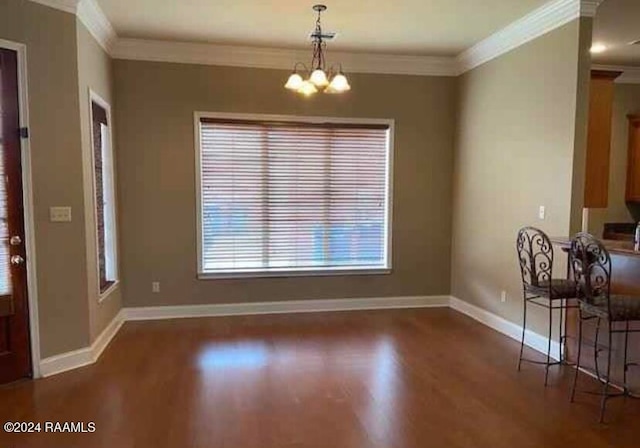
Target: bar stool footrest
543,363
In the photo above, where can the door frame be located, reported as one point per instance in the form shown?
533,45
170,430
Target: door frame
27,199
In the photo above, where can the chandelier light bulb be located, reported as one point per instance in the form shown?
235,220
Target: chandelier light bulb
294,82
339,84
307,88
319,78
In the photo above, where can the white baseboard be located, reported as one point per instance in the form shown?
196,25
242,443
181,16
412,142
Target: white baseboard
283,307
89,355
534,340
84,356
65,361
107,335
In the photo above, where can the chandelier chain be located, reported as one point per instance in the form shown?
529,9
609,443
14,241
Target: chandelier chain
318,61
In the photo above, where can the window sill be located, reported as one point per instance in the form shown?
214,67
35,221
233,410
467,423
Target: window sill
107,292
280,274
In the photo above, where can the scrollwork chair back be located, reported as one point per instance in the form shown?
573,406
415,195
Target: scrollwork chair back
591,265
535,254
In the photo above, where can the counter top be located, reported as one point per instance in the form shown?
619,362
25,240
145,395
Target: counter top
614,247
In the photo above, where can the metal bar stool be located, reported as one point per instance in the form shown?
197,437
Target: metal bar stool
535,254
591,264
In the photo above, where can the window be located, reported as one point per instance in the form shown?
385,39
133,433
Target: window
291,195
104,193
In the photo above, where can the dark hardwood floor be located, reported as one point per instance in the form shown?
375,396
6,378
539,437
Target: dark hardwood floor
407,378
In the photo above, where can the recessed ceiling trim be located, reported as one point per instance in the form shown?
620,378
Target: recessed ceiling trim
277,58
92,16
630,75
540,21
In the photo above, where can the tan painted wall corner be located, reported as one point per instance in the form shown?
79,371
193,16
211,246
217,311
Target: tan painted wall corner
515,147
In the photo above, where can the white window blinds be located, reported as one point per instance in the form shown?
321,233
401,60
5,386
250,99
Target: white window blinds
293,196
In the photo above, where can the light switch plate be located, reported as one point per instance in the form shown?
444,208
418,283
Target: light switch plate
542,212
60,214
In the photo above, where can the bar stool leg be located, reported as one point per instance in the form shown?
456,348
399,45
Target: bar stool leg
575,374
561,335
596,350
524,329
605,388
626,354
546,374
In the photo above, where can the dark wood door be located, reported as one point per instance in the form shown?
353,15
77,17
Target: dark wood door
15,353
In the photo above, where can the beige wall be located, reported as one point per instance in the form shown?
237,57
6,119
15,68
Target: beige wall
155,103
94,73
626,101
515,147
50,36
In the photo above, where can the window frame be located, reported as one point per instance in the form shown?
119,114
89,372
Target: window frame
102,295
311,272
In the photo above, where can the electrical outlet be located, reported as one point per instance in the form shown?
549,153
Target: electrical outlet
155,286
503,296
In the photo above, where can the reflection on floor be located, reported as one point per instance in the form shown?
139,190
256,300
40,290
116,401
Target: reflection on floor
410,378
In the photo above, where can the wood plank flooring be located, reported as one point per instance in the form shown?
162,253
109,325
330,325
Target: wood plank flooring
405,379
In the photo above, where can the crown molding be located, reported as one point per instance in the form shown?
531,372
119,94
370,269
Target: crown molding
277,58
92,16
70,6
630,75
540,21
589,8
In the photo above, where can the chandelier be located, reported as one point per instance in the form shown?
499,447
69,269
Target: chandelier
319,79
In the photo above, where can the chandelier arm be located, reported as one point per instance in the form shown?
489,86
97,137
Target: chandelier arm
332,69
295,67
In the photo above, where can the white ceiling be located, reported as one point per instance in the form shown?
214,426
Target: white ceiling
421,27
617,23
